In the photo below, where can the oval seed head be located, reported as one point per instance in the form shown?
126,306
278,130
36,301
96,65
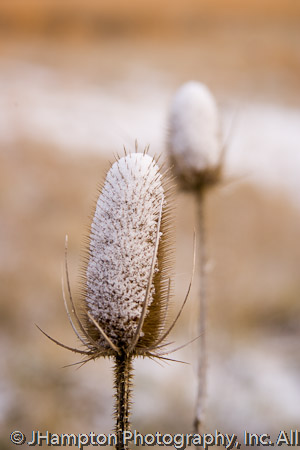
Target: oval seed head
194,136
123,236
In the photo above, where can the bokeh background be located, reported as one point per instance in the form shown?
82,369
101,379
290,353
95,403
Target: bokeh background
80,79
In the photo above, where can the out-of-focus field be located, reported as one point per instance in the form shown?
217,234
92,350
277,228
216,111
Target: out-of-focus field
115,18
76,83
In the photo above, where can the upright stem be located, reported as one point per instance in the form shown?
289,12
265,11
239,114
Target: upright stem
202,355
123,375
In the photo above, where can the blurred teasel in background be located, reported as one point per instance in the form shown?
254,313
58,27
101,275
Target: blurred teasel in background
194,138
196,155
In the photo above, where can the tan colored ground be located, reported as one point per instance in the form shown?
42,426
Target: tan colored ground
34,14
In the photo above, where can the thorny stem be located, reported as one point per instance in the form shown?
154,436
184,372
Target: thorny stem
202,356
123,374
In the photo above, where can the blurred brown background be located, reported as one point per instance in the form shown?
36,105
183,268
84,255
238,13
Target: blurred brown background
77,81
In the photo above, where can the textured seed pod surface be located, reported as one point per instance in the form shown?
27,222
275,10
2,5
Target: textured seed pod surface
122,241
194,132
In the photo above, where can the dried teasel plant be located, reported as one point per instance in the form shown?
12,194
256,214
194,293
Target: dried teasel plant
126,284
196,155
194,138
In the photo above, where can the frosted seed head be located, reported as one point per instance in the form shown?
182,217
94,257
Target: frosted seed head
121,247
194,136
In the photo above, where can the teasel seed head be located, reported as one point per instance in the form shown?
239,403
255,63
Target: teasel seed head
128,258
194,138
128,265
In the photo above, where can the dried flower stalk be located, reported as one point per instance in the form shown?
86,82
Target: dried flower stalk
196,156
126,276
